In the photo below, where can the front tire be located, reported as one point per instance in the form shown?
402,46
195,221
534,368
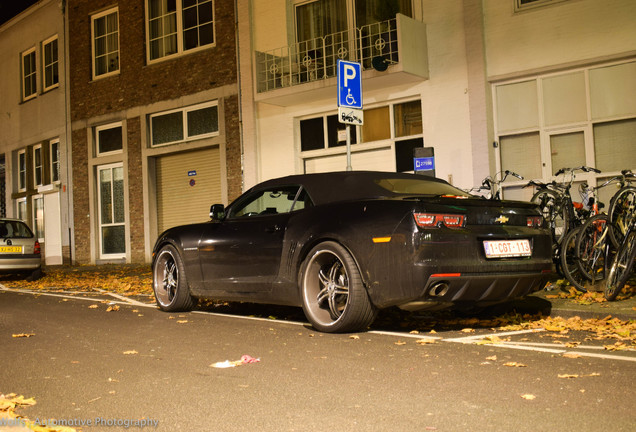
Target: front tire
169,281
334,297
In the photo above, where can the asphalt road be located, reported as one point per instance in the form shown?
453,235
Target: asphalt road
85,365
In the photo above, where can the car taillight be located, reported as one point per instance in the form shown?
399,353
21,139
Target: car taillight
432,220
36,248
535,221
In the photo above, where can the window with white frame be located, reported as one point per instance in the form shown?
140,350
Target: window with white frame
109,139
50,70
38,171
22,165
583,116
21,209
54,152
38,217
105,37
522,5
112,217
398,125
198,121
29,75
178,26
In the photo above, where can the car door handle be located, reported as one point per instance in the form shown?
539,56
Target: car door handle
273,228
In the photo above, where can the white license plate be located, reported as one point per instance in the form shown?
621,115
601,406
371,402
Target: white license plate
507,248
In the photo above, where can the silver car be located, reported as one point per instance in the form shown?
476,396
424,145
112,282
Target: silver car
19,249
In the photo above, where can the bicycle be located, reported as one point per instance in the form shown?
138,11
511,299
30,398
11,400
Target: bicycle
622,265
622,209
493,186
560,212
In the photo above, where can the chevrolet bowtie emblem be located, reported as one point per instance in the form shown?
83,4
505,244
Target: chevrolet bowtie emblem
502,219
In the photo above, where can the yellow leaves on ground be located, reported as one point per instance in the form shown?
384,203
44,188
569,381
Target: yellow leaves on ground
589,297
568,376
113,308
130,352
10,402
528,396
122,279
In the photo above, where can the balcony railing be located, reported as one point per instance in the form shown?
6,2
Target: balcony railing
374,46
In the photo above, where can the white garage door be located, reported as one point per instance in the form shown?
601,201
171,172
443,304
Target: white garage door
187,185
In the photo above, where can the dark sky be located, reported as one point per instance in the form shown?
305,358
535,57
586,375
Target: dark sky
10,8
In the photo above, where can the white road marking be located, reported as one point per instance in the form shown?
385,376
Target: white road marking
120,297
526,346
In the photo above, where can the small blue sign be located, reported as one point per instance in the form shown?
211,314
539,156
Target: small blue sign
192,173
425,163
349,84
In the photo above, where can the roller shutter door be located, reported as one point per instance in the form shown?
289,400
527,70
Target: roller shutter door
187,185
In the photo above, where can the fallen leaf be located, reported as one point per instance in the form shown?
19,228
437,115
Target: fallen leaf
130,352
93,306
568,376
182,321
112,308
23,335
426,341
572,355
468,330
492,358
529,396
400,343
354,337
514,364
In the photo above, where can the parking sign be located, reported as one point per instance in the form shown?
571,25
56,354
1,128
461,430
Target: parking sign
349,84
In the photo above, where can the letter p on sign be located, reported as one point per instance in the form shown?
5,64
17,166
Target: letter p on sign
349,84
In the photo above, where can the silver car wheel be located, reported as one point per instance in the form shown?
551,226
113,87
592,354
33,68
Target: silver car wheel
169,281
334,296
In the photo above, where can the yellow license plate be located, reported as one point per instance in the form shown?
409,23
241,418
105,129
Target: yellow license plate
10,249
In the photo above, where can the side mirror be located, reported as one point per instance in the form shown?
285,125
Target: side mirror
217,212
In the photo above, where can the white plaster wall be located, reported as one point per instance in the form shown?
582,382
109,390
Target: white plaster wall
25,123
572,31
444,98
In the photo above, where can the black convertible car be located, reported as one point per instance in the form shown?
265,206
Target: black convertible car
344,244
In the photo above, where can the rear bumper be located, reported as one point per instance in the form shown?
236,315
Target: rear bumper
475,290
18,263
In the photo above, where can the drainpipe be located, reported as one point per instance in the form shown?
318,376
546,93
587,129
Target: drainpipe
67,130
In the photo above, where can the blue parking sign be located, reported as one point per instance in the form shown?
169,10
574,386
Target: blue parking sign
349,84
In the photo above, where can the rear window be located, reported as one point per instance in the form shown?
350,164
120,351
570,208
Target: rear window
14,229
420,187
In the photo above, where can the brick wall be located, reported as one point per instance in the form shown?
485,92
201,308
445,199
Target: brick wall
139,84
233,148
135,191
81,207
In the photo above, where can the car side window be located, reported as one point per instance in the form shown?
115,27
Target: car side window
265,202
303,201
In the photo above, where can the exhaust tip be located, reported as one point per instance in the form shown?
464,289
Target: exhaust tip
439,289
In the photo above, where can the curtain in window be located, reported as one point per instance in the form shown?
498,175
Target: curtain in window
373,11
320,18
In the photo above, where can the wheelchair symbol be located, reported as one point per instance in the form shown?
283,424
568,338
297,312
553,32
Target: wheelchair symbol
349,98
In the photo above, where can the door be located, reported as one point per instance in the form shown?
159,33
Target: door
242,254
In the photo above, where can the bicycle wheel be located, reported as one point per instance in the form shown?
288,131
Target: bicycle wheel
569,261
622,211
621,267
554,213
592,247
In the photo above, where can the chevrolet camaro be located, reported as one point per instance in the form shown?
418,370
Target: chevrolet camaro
343,245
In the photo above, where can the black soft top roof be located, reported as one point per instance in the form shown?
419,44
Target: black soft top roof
346,185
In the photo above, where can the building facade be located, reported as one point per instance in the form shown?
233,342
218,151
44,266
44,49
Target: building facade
524,85
154,120
123,118
34,174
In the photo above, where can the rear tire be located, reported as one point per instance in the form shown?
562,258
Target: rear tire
169,281
592,248
622,212
334,297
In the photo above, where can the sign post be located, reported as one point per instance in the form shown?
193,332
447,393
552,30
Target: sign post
350,99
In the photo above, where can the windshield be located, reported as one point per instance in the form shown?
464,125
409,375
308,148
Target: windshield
420,187
14,229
